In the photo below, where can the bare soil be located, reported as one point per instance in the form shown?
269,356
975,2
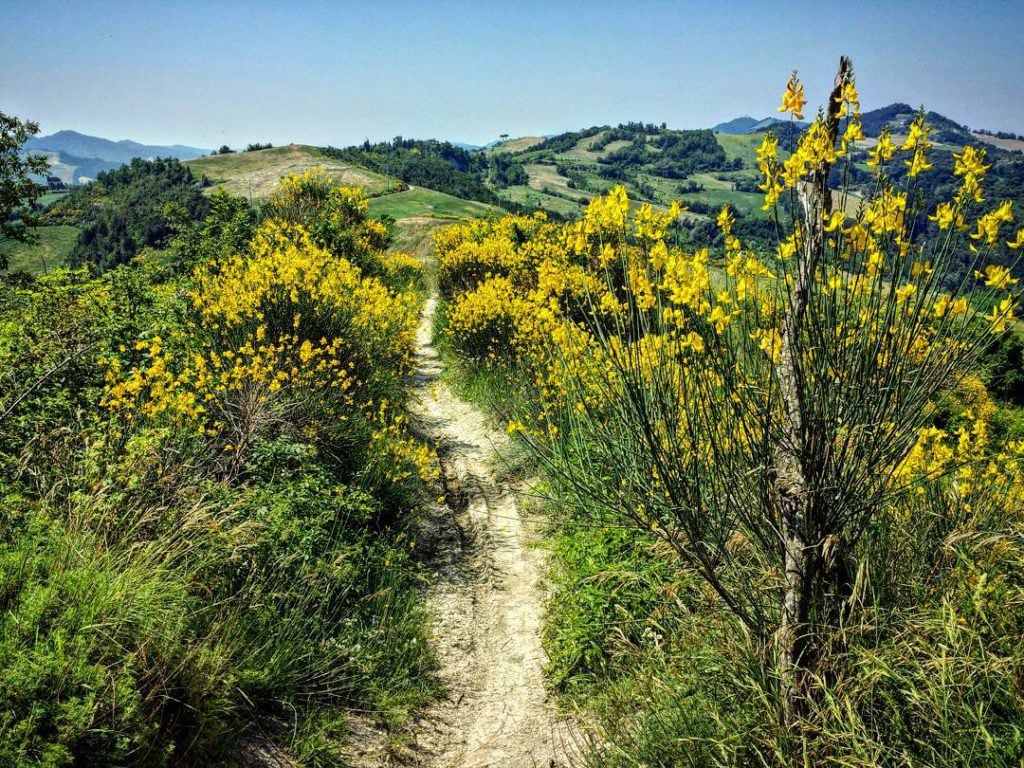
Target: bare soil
486,596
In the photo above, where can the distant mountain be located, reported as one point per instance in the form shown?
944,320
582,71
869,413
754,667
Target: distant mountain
737,125
76,158
747,124
80,145
898,116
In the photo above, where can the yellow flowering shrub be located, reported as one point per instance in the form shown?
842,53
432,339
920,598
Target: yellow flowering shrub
508,247
335,218
485,319
288,284
801,427
287,336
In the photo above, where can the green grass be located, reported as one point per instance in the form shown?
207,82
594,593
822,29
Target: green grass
748,203
711,180
743,146
533,198
258,174
55,243
418,202
516,145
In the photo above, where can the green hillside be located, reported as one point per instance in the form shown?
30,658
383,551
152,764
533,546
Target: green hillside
51,250
655,164
418,202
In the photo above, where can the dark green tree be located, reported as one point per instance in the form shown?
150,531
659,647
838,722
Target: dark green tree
17,189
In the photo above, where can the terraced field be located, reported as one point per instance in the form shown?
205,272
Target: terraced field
549,173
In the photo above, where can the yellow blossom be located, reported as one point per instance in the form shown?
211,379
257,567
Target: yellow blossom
793,100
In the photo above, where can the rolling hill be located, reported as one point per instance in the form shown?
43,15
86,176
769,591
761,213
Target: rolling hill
655,163
257,174
747,124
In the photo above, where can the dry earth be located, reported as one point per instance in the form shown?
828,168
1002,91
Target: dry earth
486,597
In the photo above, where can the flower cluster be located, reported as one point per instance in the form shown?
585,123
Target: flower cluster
287,335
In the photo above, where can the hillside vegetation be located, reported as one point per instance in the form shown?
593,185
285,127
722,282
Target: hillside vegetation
206,488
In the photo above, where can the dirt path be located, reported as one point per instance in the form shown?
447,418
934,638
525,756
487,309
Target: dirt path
486,597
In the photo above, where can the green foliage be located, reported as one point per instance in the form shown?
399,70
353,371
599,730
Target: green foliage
155,608
433,164
123,211
508,172
670,154
613,590
17,189
225,230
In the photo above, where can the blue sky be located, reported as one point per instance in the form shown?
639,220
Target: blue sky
205,74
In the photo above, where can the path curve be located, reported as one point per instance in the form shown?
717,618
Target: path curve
486,597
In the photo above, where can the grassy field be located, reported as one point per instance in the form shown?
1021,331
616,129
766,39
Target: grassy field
743,146
49,198
543,177
533,198
1013,145
55,243
257,174
711,180
517,145
418,202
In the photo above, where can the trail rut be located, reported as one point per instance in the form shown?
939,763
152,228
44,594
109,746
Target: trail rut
486,596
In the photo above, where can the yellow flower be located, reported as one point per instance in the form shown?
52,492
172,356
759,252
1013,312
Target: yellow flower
917,164
946,216
882,151
719,318
919,270
989,224
997,277
770,342
694,341
904,293
725,220
970,162
1000,315
793,100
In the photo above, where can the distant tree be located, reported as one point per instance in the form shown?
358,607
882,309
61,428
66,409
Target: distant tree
224,150
126,210
17,189
257,147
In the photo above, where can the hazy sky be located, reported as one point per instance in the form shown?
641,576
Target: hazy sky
206,73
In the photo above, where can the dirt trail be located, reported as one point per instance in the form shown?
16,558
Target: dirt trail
486,597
